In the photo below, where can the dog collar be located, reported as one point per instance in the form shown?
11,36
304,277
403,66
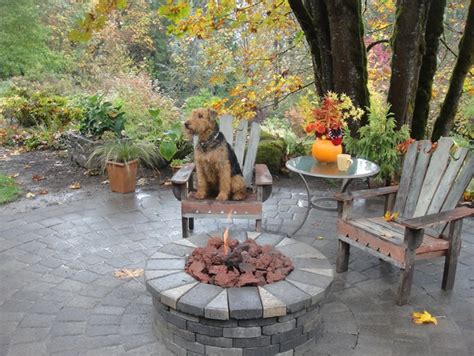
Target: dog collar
211,142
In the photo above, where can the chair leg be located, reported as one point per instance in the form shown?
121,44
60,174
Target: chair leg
451,261
404,287
185,227
342,261
258,225
191,223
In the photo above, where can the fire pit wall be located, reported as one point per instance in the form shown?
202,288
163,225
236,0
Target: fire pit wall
194,318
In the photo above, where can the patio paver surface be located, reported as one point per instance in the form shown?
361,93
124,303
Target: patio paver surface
58,295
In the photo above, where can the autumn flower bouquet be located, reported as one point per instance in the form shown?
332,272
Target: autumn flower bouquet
329,119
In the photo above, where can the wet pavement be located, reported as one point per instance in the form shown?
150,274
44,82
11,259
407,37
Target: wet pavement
59,296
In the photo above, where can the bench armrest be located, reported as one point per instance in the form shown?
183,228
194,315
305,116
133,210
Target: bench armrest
182,176
262,175
367,193
438,218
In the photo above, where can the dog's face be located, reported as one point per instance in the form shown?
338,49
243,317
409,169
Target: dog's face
201,122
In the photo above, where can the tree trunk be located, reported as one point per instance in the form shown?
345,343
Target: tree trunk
349,53
313,19
408,48
445,121
334,32
434,29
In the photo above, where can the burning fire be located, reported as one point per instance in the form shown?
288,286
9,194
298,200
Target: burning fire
226,238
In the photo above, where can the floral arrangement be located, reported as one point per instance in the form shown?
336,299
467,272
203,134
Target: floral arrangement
330,118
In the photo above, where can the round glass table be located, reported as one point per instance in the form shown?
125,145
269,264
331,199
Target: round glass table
308,166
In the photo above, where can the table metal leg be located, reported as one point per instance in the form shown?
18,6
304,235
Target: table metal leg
310,205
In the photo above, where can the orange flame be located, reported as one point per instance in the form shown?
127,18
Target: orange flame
226,237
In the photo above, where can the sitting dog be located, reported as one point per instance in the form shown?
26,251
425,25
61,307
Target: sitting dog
218,171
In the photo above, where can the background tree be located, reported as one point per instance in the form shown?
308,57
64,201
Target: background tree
434,30
445,121
335,32
408,48
23,39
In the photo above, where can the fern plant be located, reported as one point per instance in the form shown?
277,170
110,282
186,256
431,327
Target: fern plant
378,139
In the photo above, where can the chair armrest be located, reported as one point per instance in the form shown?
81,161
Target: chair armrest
438,218
367,193
262,175
182,176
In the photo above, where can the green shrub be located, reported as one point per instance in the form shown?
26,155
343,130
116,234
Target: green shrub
101,116
34,108
378,139
203,99
271,151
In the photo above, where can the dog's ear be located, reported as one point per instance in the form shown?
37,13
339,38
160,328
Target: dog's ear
212,114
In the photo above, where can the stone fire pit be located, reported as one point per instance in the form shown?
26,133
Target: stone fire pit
195,318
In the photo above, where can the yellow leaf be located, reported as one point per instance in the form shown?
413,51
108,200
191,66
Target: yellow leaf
30,195
75,185
14,175
125,273
389,216
423,318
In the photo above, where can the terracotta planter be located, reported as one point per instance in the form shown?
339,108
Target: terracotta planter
325,151
122,176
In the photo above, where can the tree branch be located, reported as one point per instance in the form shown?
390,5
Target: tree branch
287,95
373,44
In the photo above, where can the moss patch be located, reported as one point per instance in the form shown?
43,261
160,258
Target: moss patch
271,151
9,191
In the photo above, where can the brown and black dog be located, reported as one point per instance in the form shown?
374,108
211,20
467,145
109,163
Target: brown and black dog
218,171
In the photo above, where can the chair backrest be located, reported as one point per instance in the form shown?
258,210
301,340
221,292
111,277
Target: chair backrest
238,143
433,180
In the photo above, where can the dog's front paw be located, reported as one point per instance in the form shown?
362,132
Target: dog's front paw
238,196
222,196
200,195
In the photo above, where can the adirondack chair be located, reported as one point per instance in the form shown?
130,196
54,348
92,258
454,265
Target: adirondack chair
430,188
257,178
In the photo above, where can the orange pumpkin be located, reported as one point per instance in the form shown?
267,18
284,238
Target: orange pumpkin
325,151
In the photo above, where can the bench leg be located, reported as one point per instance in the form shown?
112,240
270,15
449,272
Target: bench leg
404,288
451,261
191,223
342,261
185,227
258,225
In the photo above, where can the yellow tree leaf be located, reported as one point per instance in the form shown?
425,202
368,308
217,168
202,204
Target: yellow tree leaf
126,273
423,318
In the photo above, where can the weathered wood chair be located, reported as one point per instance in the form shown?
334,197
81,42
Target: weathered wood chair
430,188
256,176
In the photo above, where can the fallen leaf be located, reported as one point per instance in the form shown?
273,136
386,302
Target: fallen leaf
15,152
389,216
125,273
75,185
30,195
167,181
14,175
91,173
27,166
423,318
142,182
4,157
105,182
43,192
38,178
319,238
